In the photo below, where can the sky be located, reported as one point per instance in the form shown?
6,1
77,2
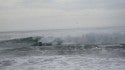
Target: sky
21,15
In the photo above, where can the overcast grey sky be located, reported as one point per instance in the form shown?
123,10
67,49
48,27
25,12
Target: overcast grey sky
59,14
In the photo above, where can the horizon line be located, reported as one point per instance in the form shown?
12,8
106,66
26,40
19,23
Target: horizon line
62,29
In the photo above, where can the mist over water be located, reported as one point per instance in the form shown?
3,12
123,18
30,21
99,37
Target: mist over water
62,32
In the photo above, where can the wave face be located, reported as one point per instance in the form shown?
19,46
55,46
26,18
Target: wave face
93,35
